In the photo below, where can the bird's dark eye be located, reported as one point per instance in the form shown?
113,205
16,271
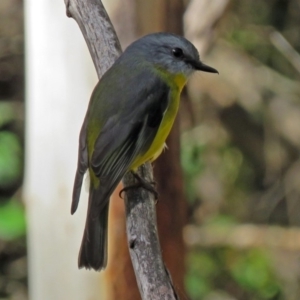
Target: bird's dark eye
177,52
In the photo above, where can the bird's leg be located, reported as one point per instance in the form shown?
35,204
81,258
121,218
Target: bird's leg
142,183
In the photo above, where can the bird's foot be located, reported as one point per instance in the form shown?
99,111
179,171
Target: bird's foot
142,183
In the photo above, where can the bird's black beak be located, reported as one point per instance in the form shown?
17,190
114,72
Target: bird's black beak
198,65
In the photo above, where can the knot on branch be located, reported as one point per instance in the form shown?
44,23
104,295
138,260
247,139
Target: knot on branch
68,12
132,243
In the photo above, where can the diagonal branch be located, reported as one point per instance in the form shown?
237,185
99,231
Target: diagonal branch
97,30
153,279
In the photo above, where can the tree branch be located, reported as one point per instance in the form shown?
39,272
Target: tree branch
153,279
97,30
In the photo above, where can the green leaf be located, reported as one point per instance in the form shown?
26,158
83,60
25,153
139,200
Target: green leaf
10,159
12,220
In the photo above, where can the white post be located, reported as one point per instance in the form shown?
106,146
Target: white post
60,77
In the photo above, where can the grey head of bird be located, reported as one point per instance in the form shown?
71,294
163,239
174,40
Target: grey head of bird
169,52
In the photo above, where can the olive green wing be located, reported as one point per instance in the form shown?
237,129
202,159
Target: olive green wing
126,136
127,133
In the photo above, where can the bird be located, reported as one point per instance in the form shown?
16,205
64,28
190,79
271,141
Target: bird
129,116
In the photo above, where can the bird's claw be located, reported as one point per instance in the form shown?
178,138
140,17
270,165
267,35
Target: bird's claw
142,183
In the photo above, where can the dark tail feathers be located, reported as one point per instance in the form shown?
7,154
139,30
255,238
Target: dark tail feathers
93,251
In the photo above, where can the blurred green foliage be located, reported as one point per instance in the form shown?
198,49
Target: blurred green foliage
249,24
193,166
244,274
252,270
221,180
10,159
231,169
13,270
12,217
12,220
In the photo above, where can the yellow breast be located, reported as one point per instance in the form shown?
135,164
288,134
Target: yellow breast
176,84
